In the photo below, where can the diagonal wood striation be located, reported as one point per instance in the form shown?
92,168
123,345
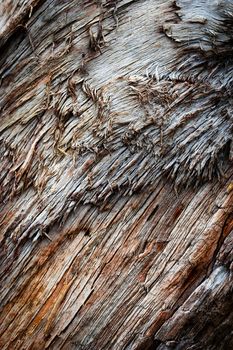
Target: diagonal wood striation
115,174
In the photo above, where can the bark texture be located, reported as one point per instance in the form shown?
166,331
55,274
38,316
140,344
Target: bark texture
116,174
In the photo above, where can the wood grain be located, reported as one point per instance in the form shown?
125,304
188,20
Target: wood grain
116,175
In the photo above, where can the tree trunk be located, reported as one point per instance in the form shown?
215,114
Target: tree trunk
116,174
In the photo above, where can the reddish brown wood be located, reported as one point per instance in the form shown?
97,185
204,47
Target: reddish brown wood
116,175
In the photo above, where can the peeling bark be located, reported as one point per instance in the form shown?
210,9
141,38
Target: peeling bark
116,174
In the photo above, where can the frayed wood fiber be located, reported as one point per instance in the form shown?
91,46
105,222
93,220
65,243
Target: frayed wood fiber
116,180
110,131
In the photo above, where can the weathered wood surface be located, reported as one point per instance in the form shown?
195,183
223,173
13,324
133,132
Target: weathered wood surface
116,174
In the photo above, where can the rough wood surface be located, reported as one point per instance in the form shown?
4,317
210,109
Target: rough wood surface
116,174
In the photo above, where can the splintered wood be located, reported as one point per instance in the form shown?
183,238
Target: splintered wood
116,208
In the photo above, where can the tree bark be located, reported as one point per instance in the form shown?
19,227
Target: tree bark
116,174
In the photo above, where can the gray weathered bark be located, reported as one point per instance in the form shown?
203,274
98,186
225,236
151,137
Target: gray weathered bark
116,174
